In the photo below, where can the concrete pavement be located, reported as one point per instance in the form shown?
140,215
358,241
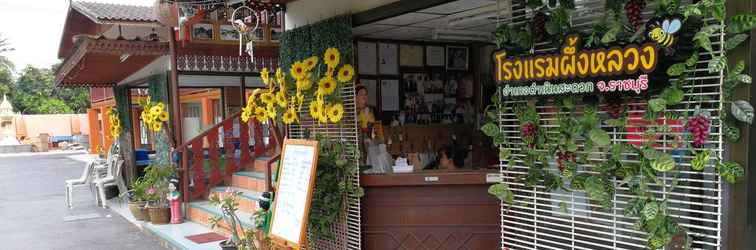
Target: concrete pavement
33,214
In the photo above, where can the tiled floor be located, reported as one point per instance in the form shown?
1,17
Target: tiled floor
173,234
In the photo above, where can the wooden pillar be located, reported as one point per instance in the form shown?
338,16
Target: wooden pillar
107,139
137,135
94,133
173,92
207,111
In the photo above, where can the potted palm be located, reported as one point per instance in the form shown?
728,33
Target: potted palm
245,239
137,199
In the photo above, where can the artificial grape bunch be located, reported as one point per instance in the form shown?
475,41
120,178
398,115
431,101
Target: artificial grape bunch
614,107
633,10
529,131
698,126
539,25
563,157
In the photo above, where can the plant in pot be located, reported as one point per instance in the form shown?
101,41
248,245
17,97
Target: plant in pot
244,239
137,199
156,192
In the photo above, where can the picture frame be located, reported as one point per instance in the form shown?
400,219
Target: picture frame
227,32
203,31
411,55
457,58
388,59
434,56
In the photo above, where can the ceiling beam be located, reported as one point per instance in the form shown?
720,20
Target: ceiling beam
393,9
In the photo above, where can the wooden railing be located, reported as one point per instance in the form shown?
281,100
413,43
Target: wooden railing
199,178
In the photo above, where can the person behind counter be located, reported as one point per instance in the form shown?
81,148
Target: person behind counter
449,158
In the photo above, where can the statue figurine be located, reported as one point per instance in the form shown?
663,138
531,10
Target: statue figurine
175,202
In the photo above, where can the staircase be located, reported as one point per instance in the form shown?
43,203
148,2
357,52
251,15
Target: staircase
223,158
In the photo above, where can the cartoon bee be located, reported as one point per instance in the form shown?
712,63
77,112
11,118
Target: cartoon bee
664,35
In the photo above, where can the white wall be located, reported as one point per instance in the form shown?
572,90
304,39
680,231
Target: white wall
304,12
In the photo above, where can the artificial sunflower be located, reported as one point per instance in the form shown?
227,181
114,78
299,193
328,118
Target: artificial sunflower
336,112
268,98
280,76
314,109
261,114
305,83
290,116
332,57
281,99
146,117
163,117
310,63
265,75
156,127
326,86
298,70
271,111
156,110
329,71
346,73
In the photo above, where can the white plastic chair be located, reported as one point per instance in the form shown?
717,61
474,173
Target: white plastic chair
113,178
85,180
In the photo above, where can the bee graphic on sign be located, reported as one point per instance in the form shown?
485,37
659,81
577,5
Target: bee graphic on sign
664,33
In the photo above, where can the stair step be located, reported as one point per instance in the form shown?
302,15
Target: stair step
247,200
202,211
250,180
175,235
260,163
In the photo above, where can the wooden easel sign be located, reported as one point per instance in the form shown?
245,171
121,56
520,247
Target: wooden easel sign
291,208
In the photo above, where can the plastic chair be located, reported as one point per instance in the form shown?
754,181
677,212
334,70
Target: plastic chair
84,180
113,178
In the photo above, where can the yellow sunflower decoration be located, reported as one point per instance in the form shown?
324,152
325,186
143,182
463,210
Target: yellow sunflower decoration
290,116
336,112
315,110
281,99
115,124
154,115
298,70
332,57
268,98
310,63
346,73
326,86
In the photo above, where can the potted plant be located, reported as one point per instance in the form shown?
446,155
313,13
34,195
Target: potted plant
241,238
137,199
156,191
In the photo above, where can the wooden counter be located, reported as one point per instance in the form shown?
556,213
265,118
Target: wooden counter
429,210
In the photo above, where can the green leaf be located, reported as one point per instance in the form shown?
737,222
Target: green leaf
504,154
499,138
501,191
732,133
741,23
739,67
691,10
615,122
611,34
657,104
717,64
600,137
734,41
650,210
702,40
700,159
663,163
676,69
742,110
650,153
490,129
672,95
692,60
730,171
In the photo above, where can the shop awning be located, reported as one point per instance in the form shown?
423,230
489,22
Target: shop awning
105,62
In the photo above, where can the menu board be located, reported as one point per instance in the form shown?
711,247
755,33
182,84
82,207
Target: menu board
293,193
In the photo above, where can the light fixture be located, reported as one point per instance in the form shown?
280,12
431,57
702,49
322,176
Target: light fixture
461,35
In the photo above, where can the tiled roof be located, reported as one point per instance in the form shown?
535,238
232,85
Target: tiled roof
108,12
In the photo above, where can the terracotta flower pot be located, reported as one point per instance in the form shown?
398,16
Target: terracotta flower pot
160,215
138,210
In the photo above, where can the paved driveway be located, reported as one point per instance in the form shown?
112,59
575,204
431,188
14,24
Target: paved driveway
33,213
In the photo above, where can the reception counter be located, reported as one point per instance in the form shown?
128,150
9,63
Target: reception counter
429,210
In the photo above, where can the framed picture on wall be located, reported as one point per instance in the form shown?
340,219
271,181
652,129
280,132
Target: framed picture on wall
411,55
434,55
388,59
367,58
203,31
457,58
228,33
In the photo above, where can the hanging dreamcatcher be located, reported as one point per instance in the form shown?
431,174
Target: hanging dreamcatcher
246,21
